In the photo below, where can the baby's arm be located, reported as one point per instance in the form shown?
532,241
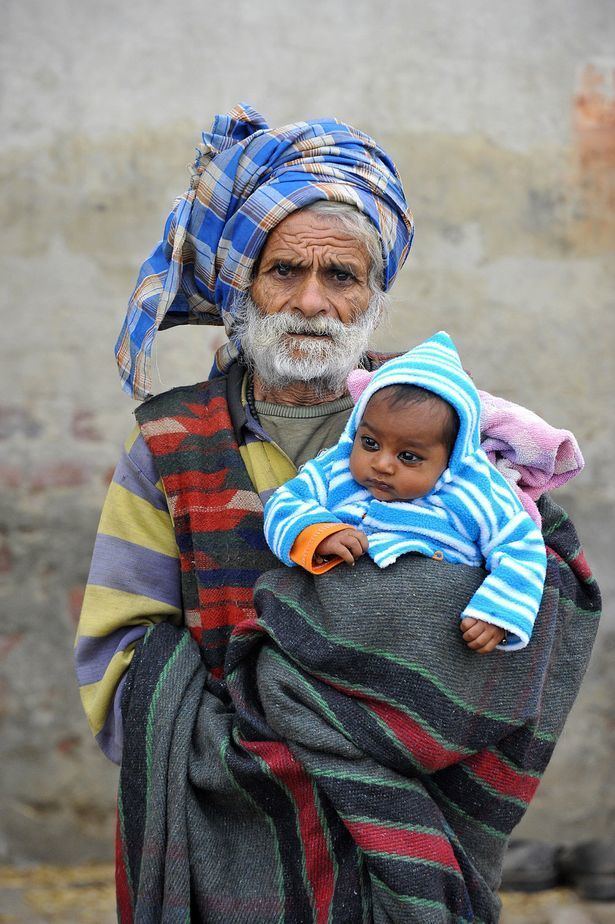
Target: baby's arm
510,595
322,546
297,505
514,553
482,637
347,544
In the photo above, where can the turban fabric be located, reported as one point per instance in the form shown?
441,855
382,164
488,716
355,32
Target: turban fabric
246,179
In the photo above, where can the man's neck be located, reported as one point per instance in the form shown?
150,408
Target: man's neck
303,394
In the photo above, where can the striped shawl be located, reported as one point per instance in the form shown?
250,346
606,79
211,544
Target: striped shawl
359,764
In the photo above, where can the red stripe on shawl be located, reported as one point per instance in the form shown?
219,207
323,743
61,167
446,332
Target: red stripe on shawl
248,626
213,595
217,670
200,561
215,420
430,753
580,566
224,606
122,886
214,423
318,861
195,480
399,843
163,443
500,776
202,521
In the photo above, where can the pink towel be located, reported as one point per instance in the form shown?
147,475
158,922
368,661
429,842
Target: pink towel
357,382
533,456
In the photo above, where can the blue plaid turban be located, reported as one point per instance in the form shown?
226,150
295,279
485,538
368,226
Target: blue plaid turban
246,179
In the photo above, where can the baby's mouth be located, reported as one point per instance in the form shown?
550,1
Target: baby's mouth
380,485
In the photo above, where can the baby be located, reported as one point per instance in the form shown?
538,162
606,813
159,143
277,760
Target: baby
408,475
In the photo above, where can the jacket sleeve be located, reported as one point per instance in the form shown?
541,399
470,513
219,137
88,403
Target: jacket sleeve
515,557
304,547
134,582
299,503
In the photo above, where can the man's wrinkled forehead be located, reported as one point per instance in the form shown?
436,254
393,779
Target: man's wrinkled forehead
307,240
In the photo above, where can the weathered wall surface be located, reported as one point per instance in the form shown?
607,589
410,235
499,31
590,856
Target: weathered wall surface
501,119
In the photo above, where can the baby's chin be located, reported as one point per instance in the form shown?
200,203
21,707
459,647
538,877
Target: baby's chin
381,492
390,494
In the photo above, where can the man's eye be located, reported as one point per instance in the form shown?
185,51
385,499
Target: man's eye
342,276
409,457
368,443
283,269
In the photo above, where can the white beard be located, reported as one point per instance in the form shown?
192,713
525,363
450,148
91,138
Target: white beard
323,359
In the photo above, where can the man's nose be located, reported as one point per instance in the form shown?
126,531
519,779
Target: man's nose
310,297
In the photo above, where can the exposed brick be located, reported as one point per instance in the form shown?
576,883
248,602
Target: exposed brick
6,558
75,601
107,476
67,745
6,706
83,426
8,642
594,122
11,476
59,475
594,114
15,419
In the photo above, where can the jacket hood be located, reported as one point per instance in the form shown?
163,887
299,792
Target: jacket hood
435,366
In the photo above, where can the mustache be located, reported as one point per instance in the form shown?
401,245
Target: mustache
284,323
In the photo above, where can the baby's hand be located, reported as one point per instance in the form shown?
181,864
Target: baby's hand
347,544
481,636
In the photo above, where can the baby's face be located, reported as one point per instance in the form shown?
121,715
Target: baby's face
398,452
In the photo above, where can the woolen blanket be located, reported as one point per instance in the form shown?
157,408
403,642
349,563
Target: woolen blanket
361,763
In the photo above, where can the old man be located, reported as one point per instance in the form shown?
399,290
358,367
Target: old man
235,803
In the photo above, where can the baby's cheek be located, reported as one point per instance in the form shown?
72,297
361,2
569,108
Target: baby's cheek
353,464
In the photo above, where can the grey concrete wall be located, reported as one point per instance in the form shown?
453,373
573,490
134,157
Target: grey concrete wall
501,119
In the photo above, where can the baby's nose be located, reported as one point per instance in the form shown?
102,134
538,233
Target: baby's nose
384,464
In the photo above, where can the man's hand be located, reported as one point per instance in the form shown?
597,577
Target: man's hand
481,636
347,544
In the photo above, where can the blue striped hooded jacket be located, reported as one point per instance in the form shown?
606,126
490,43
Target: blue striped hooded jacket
471,515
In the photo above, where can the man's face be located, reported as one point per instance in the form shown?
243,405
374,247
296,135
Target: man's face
312,266
310,311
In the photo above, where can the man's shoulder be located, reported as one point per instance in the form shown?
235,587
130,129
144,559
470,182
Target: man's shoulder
175,401
373,359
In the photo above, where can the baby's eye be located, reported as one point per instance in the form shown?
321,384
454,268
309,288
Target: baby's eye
368,443
409,457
